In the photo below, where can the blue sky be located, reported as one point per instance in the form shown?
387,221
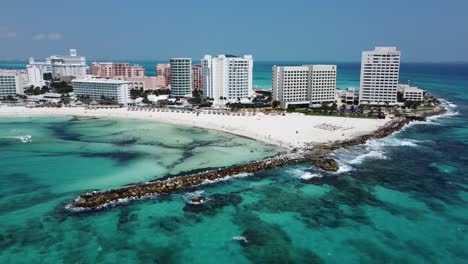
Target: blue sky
333,30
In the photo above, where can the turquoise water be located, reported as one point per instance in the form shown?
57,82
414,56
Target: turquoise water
402,199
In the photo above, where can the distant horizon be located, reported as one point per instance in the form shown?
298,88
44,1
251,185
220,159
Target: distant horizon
255,60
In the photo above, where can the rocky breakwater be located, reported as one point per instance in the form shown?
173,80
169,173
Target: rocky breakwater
317,155
103,199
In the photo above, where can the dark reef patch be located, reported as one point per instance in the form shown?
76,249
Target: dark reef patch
268,243
215,202
121,157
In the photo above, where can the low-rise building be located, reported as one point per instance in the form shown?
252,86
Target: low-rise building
348,96
97,88
411,93
147,83
304,85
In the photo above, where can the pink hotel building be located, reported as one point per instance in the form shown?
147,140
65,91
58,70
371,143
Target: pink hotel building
197,77
164,70
115,70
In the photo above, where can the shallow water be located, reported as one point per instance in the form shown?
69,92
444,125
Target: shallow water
400,199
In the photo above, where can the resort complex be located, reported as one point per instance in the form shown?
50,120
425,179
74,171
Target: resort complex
234,132
304,85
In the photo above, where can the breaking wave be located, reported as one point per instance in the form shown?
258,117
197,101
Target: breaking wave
188,197
304,175
373,149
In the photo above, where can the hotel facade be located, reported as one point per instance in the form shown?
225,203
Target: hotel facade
410,93
380,71
164,70
307,84
227,78
11,83
116,70
95,88
68,66
181,76
197,77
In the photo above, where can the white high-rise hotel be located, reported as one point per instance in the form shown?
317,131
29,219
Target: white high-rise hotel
70,65
307,84
228,77
380,70
181,76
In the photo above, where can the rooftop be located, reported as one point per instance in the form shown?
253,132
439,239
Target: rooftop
99,80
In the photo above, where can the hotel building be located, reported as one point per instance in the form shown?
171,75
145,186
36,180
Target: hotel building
36,72
11,83
197,77
69,66
95,88
413,94
380,70
164,70
307,84
227,76
116,70
147,83
181,77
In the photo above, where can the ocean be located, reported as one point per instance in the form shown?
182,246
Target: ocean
401,199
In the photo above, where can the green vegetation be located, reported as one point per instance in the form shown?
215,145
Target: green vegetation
275,104
107,101
84,98
36,90
61,87
135,93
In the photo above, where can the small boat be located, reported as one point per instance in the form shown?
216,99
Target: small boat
26,139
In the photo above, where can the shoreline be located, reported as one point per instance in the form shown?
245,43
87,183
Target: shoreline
98,200
316,154
292,131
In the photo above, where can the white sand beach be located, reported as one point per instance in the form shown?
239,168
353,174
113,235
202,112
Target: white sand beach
289,131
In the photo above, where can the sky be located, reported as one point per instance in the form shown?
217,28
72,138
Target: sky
305,30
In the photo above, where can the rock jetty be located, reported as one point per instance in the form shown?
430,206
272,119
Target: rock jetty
316,155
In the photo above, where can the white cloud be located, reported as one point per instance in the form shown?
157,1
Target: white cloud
38,37
54,36
48,36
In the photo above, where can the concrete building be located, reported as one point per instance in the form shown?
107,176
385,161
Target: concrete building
181,77
411,93
68,66
348,96
164,70
95,88
227,78
380,71
116,70
147,83
71,65
197,77
307,84
10,83
36,71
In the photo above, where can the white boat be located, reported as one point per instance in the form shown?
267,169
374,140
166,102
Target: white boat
26,139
